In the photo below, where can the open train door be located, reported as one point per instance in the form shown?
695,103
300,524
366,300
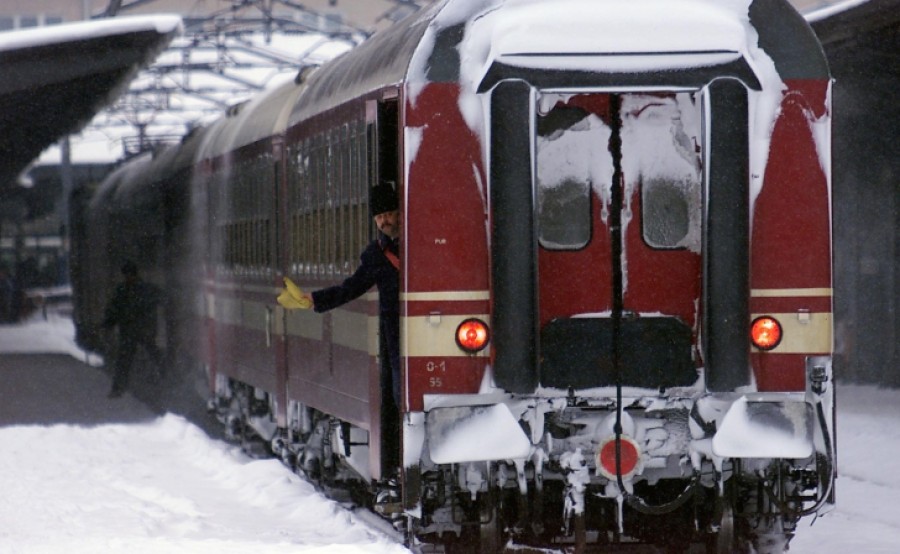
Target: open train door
383,121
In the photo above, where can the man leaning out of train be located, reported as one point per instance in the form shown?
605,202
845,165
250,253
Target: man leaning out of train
380,267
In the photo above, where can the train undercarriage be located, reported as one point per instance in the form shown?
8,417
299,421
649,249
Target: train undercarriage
566,495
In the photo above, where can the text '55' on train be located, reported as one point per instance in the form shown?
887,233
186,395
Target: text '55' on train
613,278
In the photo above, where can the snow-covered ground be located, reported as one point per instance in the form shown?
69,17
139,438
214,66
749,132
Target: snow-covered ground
83,474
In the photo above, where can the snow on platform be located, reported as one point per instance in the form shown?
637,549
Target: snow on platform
83,474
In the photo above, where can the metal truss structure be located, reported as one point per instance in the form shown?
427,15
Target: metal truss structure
225,57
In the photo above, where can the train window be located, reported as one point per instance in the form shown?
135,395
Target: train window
245,244
665,212
660,151
244,248
365,177
564,214
333,195
566,162
233,246
249,260
353,198
329,223
303,207
344,204
225,233
316,205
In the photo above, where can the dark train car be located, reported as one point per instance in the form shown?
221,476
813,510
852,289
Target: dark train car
615,280
96,256
141,212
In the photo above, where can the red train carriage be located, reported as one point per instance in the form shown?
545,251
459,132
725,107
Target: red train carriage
615,280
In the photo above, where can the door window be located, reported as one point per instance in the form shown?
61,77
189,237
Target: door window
571,158
660,155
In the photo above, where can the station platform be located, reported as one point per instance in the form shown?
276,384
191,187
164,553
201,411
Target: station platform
46,382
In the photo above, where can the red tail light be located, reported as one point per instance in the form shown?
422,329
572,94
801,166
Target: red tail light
765,332
472,335
629,456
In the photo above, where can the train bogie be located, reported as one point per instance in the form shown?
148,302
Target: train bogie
615,298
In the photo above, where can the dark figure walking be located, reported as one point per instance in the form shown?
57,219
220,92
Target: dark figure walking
133,309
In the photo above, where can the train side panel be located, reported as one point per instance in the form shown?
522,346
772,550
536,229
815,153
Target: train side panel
334,358
791,268
446,257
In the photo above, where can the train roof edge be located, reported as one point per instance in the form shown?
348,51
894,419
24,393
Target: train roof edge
380,61
425,46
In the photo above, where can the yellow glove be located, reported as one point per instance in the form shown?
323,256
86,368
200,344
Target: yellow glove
293,298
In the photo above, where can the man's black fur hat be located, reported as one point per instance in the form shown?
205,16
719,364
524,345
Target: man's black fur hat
383,198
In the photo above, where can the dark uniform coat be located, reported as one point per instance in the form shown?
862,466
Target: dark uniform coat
133,309
375,269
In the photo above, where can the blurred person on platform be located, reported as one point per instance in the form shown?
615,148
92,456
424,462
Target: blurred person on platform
132,309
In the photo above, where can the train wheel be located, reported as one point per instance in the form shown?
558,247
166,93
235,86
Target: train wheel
731,540
479,538
727,540
738,535
490,533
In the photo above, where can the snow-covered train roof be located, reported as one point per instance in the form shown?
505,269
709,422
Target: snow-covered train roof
472,41
477,43
380,61
263,116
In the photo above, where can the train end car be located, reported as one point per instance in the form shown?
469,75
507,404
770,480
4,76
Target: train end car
608,241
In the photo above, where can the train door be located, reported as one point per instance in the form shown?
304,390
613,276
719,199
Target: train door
613,284
384,164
